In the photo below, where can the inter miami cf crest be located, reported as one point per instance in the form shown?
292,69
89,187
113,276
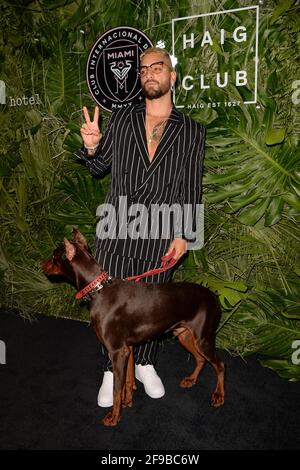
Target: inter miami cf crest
112,67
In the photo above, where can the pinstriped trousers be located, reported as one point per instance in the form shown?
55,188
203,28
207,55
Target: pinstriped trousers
122,267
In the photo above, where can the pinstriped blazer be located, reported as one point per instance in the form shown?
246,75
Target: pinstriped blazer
172,177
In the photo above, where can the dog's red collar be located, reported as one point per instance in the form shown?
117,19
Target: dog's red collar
92,287
86,293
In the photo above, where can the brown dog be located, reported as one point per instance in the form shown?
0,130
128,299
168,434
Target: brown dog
124,314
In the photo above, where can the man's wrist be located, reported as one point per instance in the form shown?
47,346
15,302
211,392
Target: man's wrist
179,237
91,150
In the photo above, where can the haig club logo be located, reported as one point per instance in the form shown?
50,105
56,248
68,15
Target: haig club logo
112,67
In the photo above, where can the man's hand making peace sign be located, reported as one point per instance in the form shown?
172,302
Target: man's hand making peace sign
90,131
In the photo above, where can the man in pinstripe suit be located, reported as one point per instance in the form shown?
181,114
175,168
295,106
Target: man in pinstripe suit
155,155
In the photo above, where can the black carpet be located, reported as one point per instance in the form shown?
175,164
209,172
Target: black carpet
49,385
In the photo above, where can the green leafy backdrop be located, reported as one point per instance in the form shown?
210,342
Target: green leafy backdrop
251,182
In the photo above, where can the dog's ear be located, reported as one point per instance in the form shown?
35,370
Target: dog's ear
79,238
70,249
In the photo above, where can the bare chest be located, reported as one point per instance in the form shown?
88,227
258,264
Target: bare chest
154,131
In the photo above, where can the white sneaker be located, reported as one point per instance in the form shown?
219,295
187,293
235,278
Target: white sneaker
106,395
152,383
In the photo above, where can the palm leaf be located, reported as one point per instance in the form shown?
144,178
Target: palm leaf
80,197
283,367
265,177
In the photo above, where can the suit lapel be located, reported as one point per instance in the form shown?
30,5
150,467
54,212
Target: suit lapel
171,132
138,126
169,135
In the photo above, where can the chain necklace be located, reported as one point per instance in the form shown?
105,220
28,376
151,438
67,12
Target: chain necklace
157,132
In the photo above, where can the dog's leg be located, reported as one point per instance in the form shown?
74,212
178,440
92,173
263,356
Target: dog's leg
187,340
129,386
119,360
208,351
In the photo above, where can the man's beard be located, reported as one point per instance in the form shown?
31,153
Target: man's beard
154,93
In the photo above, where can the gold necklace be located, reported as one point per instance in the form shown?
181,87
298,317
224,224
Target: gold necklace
157,132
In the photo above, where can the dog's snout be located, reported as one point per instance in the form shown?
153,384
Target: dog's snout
46,265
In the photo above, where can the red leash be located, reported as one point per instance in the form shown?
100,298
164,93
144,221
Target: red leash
167,262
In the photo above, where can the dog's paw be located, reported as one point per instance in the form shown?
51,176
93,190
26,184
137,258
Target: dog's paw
127,403
110,419
217,399
187,382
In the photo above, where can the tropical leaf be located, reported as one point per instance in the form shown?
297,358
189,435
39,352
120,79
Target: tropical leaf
62,81
283,367
230,293
34,293
281,8
80,197
275,136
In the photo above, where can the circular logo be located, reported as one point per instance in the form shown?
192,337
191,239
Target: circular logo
112,67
